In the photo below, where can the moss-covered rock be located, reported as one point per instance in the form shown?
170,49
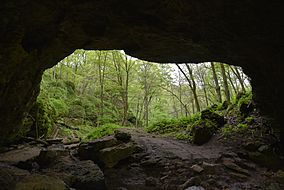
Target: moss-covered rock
212,116
203,131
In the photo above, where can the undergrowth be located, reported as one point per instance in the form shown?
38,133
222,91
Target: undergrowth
101,131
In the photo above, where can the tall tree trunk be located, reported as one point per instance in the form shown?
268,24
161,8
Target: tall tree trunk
193,88
225,81
180,94
204,86
217,86
192,84
192,104
232,83
102,81
238,75
125,107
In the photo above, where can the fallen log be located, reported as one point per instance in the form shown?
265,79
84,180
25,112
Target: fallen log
37,140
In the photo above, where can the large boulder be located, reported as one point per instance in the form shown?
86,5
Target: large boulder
212,116
10,175
89,150
111,156
81,175
122,136
40,182
204,129
201,133
51,155
17,156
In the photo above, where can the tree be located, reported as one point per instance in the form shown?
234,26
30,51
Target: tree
238,75
191,83
225,81
217,86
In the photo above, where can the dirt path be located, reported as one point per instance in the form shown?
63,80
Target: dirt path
165,146
168,164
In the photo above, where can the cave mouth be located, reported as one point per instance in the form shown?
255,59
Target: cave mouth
105,90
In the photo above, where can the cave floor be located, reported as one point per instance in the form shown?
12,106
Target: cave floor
163,163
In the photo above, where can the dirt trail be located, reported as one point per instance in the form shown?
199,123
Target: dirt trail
168,164
163,146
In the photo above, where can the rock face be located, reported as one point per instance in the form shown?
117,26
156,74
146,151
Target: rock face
36,35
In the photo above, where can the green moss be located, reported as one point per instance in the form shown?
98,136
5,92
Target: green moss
37,122
228,130
249,119
242,126
183,136
104,130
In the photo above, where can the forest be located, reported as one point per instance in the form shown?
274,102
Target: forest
90,93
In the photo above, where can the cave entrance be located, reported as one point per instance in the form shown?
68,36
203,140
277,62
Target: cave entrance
91,93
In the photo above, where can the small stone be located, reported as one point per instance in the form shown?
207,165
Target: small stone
232,166
192,181
209,168
238,176
263,148
196,168
229,155
246,165
195,188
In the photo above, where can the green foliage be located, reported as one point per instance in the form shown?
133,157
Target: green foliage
228,130
183,136
104,130
38,121
59,106
249,119
170,125
179,128
89,90
246,98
